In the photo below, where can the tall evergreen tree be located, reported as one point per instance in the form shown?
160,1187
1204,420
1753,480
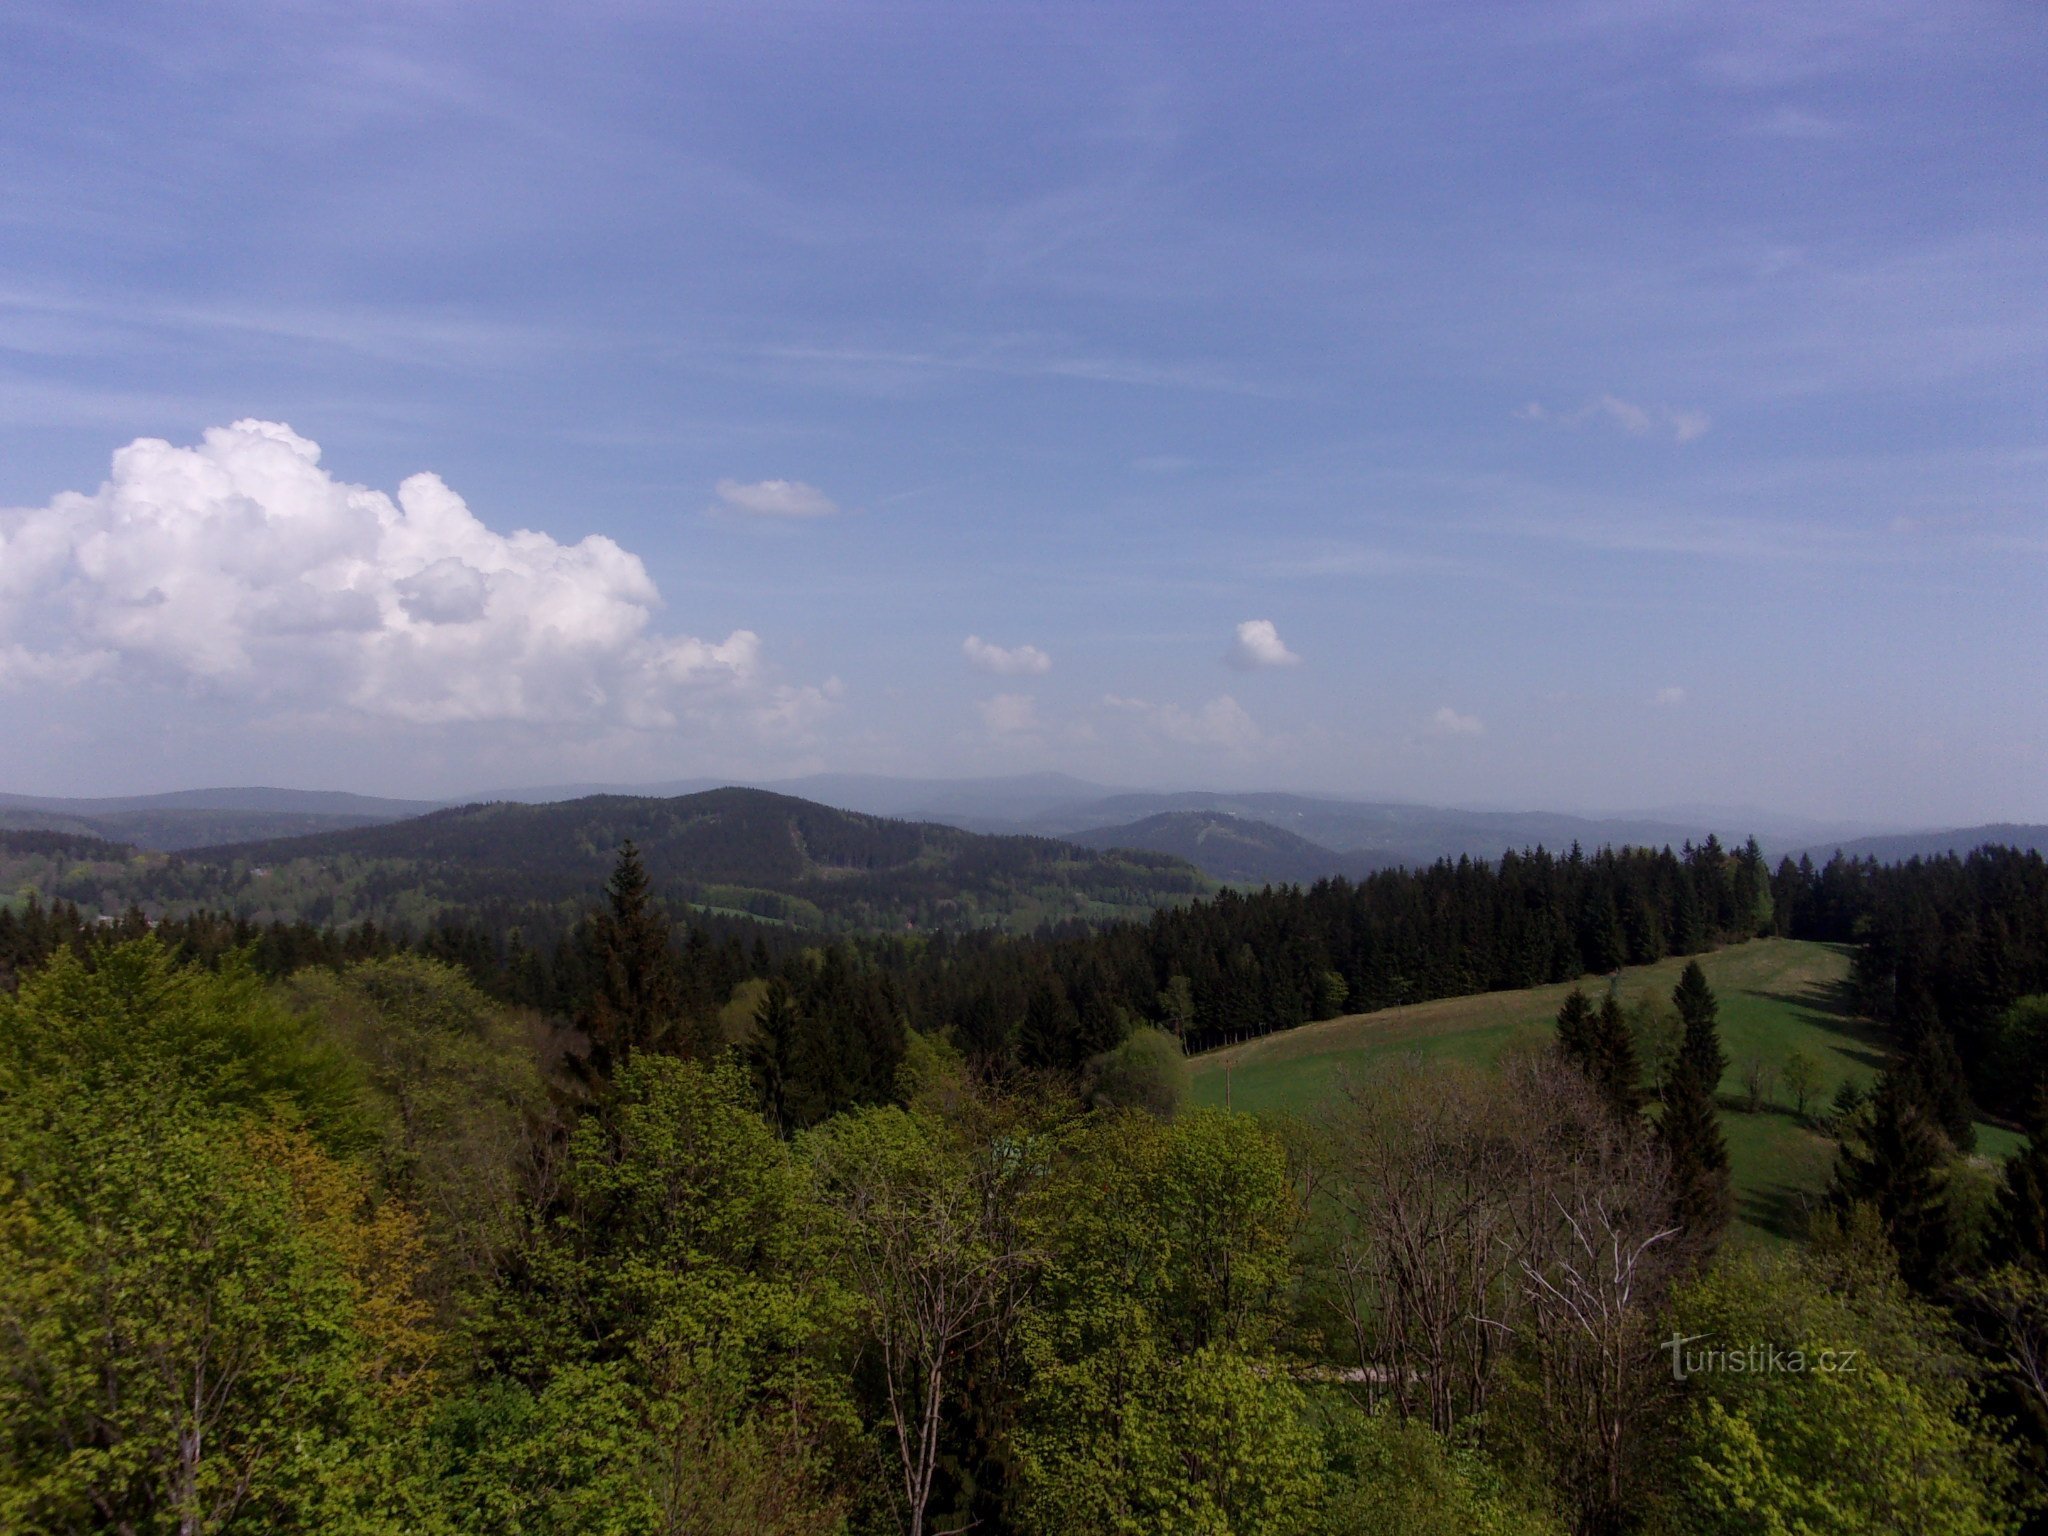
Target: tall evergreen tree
776,1055
1702,1191
636,998
1615,1069
2019,1214
1575,1030
1699,1052
1934,1071
1896,1161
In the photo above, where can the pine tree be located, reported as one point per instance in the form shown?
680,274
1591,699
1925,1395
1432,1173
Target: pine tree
1702,1191
1699,1053
637,997
1896,1162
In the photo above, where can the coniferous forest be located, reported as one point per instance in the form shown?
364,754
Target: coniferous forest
696,1224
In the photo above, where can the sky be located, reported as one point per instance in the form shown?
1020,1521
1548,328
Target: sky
1582,406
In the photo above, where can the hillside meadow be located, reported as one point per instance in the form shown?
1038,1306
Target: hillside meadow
1776,996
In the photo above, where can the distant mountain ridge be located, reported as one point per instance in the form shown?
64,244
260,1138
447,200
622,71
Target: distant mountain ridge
1898,847
745,851
197,818
1229,848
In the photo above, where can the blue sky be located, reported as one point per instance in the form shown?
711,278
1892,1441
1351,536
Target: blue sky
1589,406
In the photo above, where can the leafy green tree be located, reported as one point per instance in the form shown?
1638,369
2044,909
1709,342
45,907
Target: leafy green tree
1390,1476
455,1092
1166,1254
1803,1078
930,1251
1146,1072
183,1350
1859,1422
1935,1074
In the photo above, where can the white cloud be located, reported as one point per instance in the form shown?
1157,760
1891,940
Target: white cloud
775,498
1668,698
1010,661
1258,644
1448,722
1681,426
1222,722
243,568
1009,714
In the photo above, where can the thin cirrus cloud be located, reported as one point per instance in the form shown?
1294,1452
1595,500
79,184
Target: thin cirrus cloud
1681,426
774,498
1668,698
1449,722
1005,661
1258,644
244,570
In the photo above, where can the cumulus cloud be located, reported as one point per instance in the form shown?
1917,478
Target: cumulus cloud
1258,644
1005,661
1668,698
1681,426
775,498
1222,722
242,567
1448,722
1009,714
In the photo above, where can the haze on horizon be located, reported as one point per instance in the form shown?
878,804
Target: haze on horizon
1580,406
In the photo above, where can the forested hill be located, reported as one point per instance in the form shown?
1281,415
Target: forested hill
735,850
1230,848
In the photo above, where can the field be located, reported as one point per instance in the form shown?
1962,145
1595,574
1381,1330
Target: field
1776,995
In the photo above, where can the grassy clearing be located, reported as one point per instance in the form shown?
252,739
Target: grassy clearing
1776,995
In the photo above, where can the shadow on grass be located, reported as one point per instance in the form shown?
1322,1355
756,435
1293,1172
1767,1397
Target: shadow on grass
1782,1210
1829,1006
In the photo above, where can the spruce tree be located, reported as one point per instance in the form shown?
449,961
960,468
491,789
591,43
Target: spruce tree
1699,1052
638,995
1702,1191
1614,1068
1575,1031
1935,1072
2019,1213
776,1056
1896,1162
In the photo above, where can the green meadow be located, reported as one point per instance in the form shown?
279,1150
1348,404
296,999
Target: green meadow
1776,996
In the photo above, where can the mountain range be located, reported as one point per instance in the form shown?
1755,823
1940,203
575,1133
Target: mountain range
1239,837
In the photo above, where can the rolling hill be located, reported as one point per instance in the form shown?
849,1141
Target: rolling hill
1228,848
197,818
732,850
1775,995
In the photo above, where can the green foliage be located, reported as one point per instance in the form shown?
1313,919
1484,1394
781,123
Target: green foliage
1146,1072
1864,1426
455,1092
1389,1476
136,1016
183,1350
1152,1400
1699,1052
1895,1159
